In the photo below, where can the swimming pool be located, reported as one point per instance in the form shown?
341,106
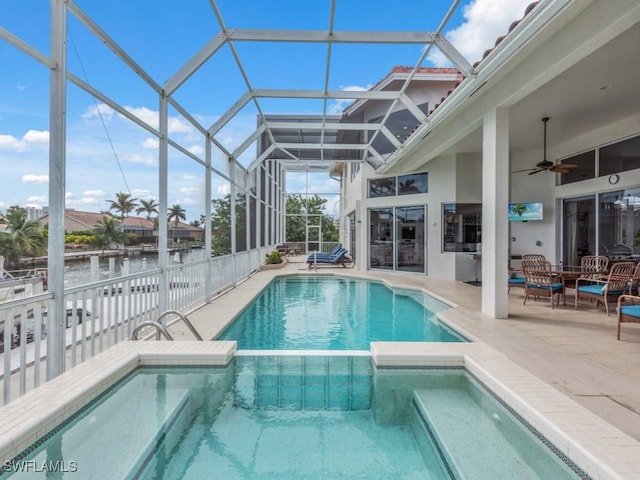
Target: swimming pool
336,313
204,422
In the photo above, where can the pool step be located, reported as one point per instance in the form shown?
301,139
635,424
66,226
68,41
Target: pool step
303,382
115,439
477,439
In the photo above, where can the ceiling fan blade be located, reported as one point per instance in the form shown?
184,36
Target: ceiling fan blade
536,171
525,170
562,168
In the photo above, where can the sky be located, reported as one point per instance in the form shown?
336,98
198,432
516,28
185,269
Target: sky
107,153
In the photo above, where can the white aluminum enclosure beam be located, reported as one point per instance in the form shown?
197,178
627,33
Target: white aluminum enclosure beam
318,146
390,136
453,55
333,94
321,126
25,47
259,159
112,45
189,68
229,114
310,36
250,139
56,318
106,100
413,108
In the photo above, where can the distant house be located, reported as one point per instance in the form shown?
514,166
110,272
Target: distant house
76,221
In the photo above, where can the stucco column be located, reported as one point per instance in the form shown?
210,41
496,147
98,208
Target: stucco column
495,199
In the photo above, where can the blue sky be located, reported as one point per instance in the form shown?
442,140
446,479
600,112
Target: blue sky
107,153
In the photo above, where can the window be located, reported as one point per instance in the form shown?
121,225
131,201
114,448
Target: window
402,185
382,187
414,183
586,167
461,227
620,156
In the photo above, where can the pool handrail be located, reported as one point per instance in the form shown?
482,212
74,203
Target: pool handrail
183,318
151,323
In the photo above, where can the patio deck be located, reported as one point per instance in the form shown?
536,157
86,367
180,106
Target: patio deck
576,352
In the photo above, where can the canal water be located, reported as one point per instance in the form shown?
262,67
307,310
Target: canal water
78,272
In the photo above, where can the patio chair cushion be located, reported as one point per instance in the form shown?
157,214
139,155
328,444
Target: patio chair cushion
598,290
516,281
631,311
555,287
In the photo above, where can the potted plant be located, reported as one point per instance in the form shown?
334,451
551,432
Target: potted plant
273,260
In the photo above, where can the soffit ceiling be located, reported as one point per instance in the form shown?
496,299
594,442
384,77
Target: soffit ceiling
594,92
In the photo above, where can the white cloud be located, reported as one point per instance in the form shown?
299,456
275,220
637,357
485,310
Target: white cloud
37,201
94,193
224,189
148,160
69,195
36,136
196,149
30,178
151,143
81,203
21,88
142,194
189,190
151,117
189,202
188,178
100,110
9,142
32,137
338,106
485,21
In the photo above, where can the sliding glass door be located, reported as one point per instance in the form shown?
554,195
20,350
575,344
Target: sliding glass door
579,229
604,224
397,238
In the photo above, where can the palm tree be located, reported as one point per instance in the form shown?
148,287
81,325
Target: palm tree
26,236
108,231
176,212
123,204
147,206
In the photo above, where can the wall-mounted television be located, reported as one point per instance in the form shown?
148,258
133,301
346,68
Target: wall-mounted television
525,212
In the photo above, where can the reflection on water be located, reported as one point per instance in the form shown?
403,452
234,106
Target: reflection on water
78,272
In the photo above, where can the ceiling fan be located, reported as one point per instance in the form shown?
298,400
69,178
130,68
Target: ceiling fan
546,165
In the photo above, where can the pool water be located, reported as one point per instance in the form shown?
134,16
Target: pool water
333,313
204,422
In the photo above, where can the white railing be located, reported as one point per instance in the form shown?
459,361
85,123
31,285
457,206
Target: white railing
101,314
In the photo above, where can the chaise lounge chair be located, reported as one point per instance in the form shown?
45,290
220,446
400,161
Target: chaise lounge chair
339,259
335,251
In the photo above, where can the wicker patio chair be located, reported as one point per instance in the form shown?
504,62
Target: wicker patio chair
540,281
608,289
628,313
593,266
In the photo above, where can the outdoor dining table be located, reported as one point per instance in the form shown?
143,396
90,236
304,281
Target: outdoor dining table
568,274
571,273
